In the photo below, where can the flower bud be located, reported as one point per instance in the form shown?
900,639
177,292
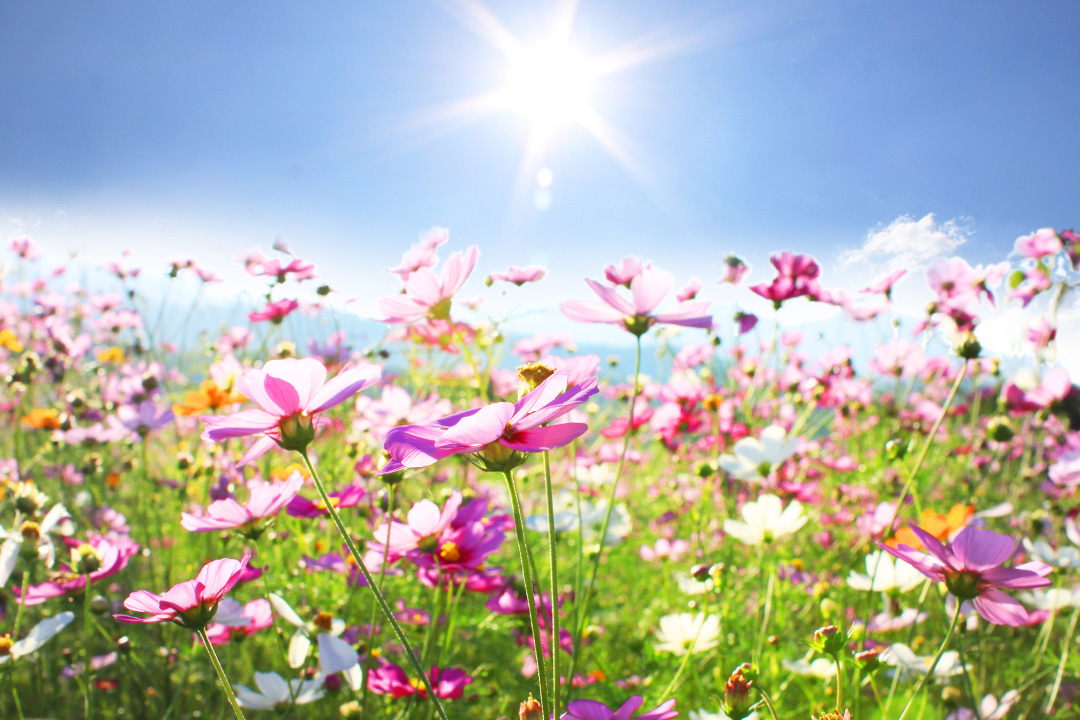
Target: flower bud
737,697
1000,429
896,449
829,640
297,432
869,660
530,710
968,346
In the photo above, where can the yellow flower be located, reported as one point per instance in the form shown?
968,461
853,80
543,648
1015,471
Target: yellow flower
43,419
10,340
111,355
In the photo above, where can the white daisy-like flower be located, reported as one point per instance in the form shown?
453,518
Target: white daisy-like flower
38,636
335,655
989,709
766,520
276,694
1052,599
754,459
823,668
1063,557
684,633
56,520
592,519
890,575
912,666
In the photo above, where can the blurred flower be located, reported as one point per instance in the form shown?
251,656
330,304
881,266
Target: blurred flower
684,633
36,638
518,276
766,520
755,459
593,710
647,288
276,694
890,575
989,709
264,502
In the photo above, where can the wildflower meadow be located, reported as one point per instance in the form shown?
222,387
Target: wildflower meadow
445,519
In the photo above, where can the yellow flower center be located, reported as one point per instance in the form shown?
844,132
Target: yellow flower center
324,621
449,552
5,645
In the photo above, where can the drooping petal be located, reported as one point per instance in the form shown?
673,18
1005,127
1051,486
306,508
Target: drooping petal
42,633
335,654
344,385
273,686
611,297
299,646
1014,578
998,608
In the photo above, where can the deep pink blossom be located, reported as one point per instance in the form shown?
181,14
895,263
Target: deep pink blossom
734,270
970,567
264,501
628,269
274,312
1039,244
347,497
515,427
389,679
110,555
192,603
690,291
289,393
885,285
647,288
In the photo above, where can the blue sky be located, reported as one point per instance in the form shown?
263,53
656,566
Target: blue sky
208,128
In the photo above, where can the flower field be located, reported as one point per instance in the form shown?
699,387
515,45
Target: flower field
456,522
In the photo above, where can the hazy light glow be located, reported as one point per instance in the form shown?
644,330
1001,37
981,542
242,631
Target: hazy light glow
550,85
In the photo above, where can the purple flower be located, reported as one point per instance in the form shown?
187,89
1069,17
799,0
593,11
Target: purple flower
497,431
970,567
593,710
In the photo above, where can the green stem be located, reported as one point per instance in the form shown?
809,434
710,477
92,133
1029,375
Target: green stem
472,363
28,580
86,647
554,561
383,605
839,684
526,571
1065,643
607,516
934,662
768,702
767,611
374,606
221,674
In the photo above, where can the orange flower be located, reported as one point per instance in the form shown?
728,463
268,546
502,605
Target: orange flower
111,355
940,526
208,397
10,340
43,419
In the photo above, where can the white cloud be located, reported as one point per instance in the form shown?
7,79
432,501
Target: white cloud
908,243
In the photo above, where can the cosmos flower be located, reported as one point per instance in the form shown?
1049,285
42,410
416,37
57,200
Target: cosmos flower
335,655
755,459
497,431
990,708
912,666
264,502
684,633
191,604
518,276
970,567
389,679
36,638
647,289
427,295
593,710
276,694
36,534
766,520
289,393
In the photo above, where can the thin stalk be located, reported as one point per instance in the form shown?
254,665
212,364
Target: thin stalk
221,674
765,615
383,605
28,580
934,662
611,505
839,684
768,702
553,559
86,647
374,606
1065,643
527,573
472,363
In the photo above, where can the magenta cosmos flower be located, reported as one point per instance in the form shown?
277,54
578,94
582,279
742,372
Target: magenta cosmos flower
970,567
496,431
275,312
192,603
648,287
289,394
264,501
593,710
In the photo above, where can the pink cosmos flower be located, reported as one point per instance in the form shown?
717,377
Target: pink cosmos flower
427,295
593,710
628,269
453,540
1055,387
289,393
109,555
885,284
421,254
389,679
25,248
531,349
264,501
693,287
969,567
275,312
745,321
347,497
518,276
1041,333
796,276
272,267
513,427
647,288
734,270
1039,244
192,603
245,620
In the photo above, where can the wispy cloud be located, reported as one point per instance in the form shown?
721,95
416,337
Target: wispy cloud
909,243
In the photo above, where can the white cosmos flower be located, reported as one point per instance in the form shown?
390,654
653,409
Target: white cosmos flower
766,520
592,519
684,633
38,636
57,519
819,668
335,655
989,709
912,666
274,693
891,575
1064,557
754,459
1052,599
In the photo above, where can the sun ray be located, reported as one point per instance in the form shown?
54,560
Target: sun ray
476,16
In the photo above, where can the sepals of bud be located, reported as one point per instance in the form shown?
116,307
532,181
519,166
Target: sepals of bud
297,432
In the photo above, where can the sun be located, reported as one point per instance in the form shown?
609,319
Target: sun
550,85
